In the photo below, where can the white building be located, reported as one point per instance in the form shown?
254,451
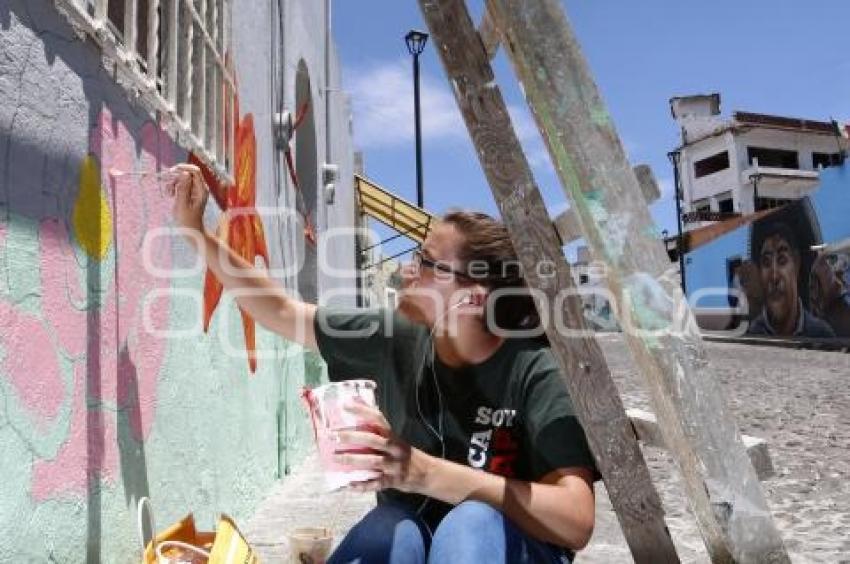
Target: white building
729,167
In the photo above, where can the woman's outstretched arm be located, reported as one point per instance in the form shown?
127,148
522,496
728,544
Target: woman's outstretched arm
255,292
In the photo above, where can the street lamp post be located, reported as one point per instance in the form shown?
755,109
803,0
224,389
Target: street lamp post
415,41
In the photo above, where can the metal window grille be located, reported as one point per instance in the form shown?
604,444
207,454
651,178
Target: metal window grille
174,55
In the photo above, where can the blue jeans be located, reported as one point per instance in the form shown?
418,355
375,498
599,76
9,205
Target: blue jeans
471,532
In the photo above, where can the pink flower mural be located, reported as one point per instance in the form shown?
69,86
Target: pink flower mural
96,325
31,369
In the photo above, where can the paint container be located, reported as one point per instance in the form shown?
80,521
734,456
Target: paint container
163,178
176,552
326,405
310,545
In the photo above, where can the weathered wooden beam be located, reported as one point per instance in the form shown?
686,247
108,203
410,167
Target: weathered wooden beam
701,236
648,431
489,35
568,225
660,329
648,184
583,366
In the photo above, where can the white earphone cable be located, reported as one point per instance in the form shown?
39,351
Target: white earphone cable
438,431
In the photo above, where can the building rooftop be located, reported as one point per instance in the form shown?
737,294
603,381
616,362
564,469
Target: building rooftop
781,122
700,119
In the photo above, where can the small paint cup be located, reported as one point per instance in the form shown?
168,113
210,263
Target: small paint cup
326,405
310,545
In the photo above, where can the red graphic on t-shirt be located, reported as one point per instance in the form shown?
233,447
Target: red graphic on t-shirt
505,450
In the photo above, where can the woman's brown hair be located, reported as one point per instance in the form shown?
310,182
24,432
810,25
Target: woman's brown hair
486,242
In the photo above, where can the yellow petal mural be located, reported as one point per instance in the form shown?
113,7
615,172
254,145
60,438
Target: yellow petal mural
92,220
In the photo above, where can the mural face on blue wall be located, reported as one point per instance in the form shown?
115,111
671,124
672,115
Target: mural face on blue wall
795,273
781,249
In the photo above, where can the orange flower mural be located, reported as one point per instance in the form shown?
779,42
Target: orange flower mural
239,227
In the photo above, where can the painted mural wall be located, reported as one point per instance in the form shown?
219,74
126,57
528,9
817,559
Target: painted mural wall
788,273
110,387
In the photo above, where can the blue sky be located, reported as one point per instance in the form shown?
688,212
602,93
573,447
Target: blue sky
785,57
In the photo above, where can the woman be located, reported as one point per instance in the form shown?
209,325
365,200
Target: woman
480,456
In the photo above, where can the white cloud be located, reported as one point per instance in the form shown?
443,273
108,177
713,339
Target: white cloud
382,98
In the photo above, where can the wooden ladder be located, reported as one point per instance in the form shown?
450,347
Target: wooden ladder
720,482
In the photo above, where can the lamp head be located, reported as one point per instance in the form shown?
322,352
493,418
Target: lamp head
415,41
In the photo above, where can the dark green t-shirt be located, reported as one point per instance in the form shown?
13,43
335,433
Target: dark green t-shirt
510,415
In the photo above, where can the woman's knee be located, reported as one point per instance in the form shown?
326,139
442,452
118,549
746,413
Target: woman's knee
473,514
471,532
470,516
386,534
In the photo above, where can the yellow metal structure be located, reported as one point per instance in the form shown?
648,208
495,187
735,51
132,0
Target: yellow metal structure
384,206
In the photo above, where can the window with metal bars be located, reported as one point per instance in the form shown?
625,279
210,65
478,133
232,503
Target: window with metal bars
827,160
177,52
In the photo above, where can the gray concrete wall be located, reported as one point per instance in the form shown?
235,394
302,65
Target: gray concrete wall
305,42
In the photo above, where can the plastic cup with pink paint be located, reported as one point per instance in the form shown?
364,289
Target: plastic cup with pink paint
326,405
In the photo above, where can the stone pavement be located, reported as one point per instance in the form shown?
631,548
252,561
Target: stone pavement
796,400
299,501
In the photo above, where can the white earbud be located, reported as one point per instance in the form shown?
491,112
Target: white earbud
467,299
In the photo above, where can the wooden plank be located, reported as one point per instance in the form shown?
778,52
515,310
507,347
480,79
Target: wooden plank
230,110
580,358
759,454
187,69
648,184
199,70
648,431
101,9
131,31
588,156
568,224
153,40
222,96
173,51
213,83
696,238
489,35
